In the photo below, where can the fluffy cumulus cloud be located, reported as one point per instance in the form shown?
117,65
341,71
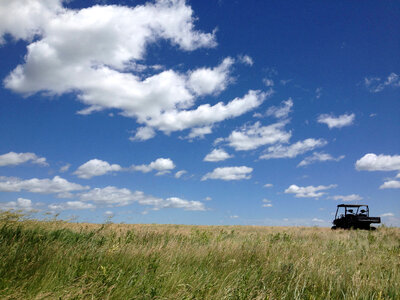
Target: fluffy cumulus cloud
381,162
207,81
174,120
71,205
376,84
113,196
42,186
143,133
352,197
25,18
96,167
13,159
199,132
20,204
281,151
251,137
319,157
161,165
229,173
336,122
217,155
308,191
282,111
390,184
98,53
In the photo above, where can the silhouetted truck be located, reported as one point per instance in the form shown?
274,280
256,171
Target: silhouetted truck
354,216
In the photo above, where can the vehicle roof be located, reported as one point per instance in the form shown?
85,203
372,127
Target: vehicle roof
351,205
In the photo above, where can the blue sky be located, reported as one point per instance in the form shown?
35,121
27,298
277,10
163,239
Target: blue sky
217,112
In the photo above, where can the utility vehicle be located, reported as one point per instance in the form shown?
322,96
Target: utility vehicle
354,216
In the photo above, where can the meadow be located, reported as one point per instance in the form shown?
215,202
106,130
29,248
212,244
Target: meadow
60,260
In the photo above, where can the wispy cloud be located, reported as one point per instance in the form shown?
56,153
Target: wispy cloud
280,151
318,157
352,197
376,84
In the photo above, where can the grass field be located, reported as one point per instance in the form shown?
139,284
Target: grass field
60,260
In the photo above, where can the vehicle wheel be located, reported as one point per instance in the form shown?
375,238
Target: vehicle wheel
372,228
333,227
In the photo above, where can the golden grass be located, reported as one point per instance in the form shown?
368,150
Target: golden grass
47,260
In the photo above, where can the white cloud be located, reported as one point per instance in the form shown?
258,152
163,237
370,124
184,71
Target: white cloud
381,162
280,151
175,202
25,18
174,120
207,198
245,59
143,134
250,137
352,197
113,196
229,173
71,205
65,168
285,82
162,165
96,167
318,92
266,203
317,220
206,81
387,215
336,122
268,185
13,159
217,155
65,195
95,52
318,156
391,184
308,191
20,204
376,84
199,132
281,112
234,217
42,186
268,82
180,173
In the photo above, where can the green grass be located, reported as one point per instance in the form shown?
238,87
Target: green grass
60,260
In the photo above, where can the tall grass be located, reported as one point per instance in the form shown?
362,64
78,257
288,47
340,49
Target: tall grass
54,259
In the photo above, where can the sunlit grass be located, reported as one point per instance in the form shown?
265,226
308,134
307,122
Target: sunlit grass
52,259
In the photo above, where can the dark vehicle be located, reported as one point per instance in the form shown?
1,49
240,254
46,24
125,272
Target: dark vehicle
354,216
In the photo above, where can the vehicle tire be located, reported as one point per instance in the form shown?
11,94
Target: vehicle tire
372,228
333,227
